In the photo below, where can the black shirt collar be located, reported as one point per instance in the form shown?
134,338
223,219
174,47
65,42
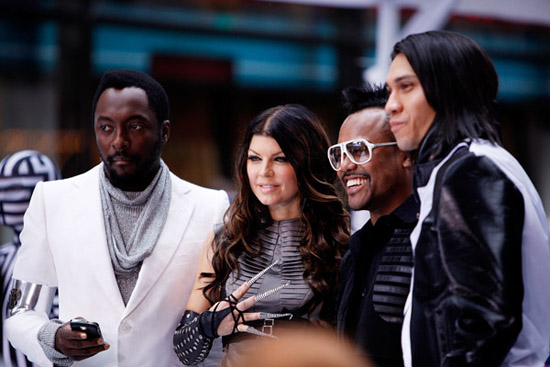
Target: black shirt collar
405,215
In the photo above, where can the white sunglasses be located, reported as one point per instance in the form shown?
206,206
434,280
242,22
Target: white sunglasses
359,151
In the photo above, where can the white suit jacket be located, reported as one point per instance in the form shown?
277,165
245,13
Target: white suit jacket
64,245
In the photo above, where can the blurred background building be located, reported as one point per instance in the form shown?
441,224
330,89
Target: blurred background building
223,61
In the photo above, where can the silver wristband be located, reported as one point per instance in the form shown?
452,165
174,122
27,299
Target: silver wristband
24,296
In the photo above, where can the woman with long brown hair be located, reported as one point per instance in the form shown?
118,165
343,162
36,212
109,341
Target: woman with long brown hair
278,253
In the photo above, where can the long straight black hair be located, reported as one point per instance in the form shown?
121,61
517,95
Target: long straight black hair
459,81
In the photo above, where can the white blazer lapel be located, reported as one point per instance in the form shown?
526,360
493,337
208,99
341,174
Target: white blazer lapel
90,235
179,216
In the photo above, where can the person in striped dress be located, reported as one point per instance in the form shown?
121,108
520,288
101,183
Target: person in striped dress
376,270
19,173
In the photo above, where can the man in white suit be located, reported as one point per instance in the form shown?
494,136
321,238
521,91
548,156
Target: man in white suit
120,242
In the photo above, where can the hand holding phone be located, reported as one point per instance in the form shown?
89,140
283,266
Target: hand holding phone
91,328
79,339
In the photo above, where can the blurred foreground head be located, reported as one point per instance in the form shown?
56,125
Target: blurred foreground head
310,347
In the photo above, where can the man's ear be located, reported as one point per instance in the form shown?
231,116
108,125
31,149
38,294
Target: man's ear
407,160
165,131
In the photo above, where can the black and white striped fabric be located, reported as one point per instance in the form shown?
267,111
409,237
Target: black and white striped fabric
19,174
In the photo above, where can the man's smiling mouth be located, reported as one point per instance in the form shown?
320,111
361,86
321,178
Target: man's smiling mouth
355,182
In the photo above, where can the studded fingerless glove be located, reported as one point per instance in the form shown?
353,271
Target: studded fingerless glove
190,344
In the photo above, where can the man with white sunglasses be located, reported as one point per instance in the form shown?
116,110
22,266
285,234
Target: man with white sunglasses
376,271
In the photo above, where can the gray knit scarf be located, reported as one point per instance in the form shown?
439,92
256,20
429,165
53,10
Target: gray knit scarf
155,200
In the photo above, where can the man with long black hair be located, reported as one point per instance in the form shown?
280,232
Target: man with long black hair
479,294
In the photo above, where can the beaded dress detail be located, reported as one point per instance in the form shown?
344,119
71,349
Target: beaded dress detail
280,241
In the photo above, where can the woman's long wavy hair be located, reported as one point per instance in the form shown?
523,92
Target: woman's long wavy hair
304,142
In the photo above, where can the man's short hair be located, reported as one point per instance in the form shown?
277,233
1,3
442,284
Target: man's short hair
124,78
356,98
459,81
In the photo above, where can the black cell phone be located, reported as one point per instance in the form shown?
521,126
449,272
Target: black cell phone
91,328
